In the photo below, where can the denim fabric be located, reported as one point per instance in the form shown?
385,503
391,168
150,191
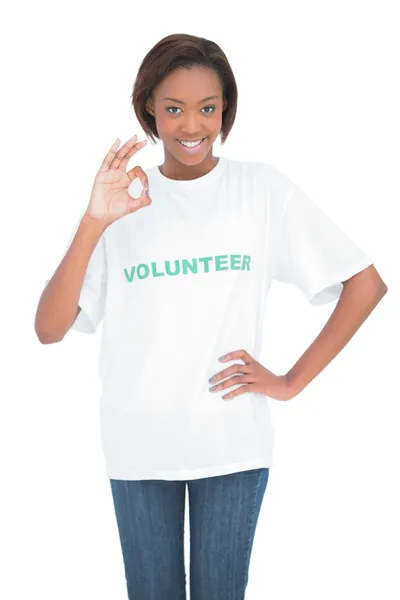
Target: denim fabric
223,514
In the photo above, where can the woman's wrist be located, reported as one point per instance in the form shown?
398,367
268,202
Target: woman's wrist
94,223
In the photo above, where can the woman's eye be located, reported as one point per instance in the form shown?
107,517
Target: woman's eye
174,113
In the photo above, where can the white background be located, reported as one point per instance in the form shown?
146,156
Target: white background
319,98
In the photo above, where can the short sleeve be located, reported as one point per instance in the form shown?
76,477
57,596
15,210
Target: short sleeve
312,252
94,288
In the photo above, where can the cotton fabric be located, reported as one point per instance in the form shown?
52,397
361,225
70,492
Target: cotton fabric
183,281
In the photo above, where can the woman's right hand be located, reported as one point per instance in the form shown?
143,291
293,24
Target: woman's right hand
110,199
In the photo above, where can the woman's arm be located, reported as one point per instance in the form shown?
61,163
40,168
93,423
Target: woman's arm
360,294
58,304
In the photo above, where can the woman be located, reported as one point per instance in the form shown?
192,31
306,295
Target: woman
180,276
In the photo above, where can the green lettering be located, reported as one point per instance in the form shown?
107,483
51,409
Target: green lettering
204,259
219,266
186,265
168,267
235,258
146,270
246,263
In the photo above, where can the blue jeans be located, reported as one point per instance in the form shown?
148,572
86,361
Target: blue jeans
223,515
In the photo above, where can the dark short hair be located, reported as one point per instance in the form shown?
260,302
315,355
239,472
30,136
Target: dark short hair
181,50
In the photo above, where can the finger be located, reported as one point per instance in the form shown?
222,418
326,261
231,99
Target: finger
138,172
105,165
237,368
144,196
234,380
125,159
122,151
245,356
136,203
127,147
240,390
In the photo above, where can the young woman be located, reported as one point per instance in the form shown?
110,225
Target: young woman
180,273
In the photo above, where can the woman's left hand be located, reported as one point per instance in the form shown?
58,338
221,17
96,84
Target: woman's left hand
255,377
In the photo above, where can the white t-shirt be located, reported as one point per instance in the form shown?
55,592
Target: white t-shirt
183,281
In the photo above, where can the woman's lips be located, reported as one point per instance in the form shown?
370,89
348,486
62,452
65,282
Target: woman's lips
192,150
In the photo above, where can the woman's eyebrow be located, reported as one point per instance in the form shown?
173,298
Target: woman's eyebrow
181,101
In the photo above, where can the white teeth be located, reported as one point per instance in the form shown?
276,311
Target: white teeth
190,144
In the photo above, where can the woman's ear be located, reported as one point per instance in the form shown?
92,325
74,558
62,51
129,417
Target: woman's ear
149,106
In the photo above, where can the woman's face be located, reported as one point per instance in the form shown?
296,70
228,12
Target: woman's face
188,105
